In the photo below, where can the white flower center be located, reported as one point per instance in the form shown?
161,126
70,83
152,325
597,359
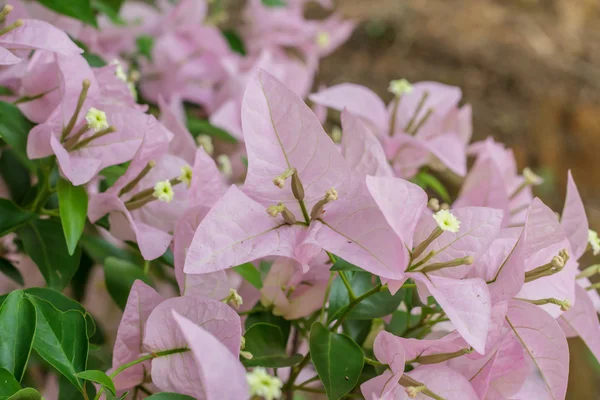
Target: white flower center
447,221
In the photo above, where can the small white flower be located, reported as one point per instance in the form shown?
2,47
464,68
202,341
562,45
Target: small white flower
224,165
323,39
264,385
594,241
447,221
531,178
163,191
235,299
96,119
399,87
186,175
206,142
331,195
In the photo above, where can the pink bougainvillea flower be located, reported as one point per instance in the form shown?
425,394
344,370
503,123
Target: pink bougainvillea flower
87,131
441,266
18,36
128,345
292,293
286,143
388,350
214,344
422,122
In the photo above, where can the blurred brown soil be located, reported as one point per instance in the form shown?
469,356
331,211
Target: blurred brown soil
531,70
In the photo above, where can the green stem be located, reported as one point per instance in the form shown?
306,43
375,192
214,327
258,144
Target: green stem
327,291
289,386
372,362
139,361
344,278
310,380
304,211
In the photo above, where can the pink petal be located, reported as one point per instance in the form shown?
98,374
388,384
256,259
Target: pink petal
183,143
8,58
221,374
444,382
282,132
401,203
179,372
583,319
78,170
479,226
357,99
207,185
545,345
35,34
128,345
237,230
228,117
389,350
361,149
574,221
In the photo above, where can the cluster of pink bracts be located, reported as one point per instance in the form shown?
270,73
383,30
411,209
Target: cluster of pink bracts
502,265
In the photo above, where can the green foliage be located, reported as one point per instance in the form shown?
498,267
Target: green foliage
198,126
274,3
236,43
145,44
100,378
44,242
26,394
169,396
267,345
249,272
16,175
11,271
12,217
73,205
8,384
14,130
428,181
17,329
337,358
78,9
119,276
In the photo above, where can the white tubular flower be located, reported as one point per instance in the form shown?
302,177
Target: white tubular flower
186,175
163,191
594,241
323,39
331,195
224,165
447,221
264,385
399,87
206,142
96,119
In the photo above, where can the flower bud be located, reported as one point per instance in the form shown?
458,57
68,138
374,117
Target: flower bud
235,300
317,210
433,204
297,188
413,391
594,241
279,180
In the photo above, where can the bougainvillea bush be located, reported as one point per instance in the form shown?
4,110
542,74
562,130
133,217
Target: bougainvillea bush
177,224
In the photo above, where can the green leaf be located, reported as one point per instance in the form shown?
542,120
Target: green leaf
94,60
26,394
337,359
343,265
15,175
268,318
14,129
100,378
5,91
119,276
73,205
63,303
236,43
249,272
111,9
17,329
61,339
357,329
12,217
399,323
11,271
268,347
8,384
274,3
426,180
199,126
99,249
375,306
78,9
145,44
44,242
169,396
113,173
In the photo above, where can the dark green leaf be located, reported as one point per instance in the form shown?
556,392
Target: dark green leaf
267,345
274,3
357,329
375,306
426,180
100,378
61,339
14,129
249,272
12,217
11,271
62,303
67,391
399,323
268,318
15,175
73,205
343,265
8,384
119,276
5,91
17,329
100,249
236,43
199,126
113,173
110,8
94,60
145,44
78,9
337,359
44,242
169,396
26,394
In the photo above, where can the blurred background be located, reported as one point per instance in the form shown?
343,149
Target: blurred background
530,69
